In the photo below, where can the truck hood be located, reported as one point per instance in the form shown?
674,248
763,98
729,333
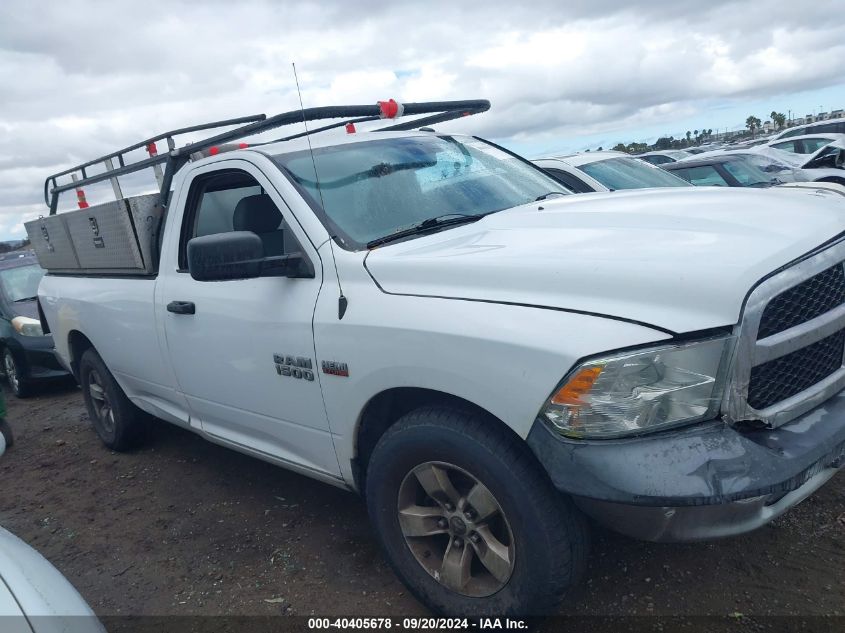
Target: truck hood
677,259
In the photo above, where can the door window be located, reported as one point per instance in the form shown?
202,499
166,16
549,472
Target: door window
233,200
706,175
786,146
812,145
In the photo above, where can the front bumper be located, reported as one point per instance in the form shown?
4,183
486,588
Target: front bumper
36,357
705,481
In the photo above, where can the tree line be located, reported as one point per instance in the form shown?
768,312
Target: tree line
694,138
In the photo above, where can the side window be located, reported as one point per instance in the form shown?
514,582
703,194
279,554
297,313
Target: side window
798,131
706,175
812,145
658,159
822,128
568,180
786,146
232,200
680,173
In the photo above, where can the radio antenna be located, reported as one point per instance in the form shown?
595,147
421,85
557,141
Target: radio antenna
342,302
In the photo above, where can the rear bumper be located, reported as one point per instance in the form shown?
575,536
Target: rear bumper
701,482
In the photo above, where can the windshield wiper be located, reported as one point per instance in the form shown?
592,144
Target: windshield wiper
551,193
25,299
431,224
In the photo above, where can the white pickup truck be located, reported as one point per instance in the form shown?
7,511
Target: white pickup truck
429,320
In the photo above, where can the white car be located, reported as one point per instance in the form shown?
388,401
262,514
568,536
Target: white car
836,126
770,162
826,165
606,171
426,319
661,157
34,596
804,144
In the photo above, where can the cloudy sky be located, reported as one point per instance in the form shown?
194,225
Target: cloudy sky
79,78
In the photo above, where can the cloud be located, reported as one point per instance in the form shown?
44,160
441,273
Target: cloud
82,77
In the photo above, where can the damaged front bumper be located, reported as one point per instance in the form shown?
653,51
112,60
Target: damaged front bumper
706,481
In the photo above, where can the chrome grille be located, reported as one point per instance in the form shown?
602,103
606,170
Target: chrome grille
791,344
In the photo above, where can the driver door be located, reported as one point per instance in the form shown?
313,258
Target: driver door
234,344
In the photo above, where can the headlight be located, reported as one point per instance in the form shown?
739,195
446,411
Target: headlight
27,327
640,391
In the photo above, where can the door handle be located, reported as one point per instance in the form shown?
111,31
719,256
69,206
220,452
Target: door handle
181,307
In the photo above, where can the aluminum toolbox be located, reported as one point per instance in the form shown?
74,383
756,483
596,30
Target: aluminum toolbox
112,238
51,241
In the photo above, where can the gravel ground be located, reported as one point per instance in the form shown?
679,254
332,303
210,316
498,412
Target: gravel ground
184,527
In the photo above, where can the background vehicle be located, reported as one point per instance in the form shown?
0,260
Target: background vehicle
34,596
426,318
605,171
27,353
804,144
836,126
661,157
825,165
721,170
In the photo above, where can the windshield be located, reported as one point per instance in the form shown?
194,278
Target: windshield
630,173
765,163
375,188
22,282
747,174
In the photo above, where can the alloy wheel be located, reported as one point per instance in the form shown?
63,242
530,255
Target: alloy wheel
11,372
456,529
103,409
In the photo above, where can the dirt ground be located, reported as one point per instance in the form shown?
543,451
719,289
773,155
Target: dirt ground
184,527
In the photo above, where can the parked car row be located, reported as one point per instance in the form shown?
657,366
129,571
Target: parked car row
759,166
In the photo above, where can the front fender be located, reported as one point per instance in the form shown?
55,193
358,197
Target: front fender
505,359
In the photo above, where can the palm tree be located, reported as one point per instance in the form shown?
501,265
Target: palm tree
753,124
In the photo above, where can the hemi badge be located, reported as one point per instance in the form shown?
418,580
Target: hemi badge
334,368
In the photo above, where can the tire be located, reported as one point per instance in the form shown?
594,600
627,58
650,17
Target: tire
6,432
119,423
19,385
541,538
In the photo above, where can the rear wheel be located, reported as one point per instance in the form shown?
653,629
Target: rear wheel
468,520
17,383
119,424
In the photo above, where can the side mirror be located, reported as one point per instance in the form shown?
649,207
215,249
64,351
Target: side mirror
240,255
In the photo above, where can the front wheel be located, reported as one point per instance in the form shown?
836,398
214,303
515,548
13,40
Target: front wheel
468,520
17,383
119,424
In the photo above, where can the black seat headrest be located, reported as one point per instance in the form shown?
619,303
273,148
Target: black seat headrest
257,214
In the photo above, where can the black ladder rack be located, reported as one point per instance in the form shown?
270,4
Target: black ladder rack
175,157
